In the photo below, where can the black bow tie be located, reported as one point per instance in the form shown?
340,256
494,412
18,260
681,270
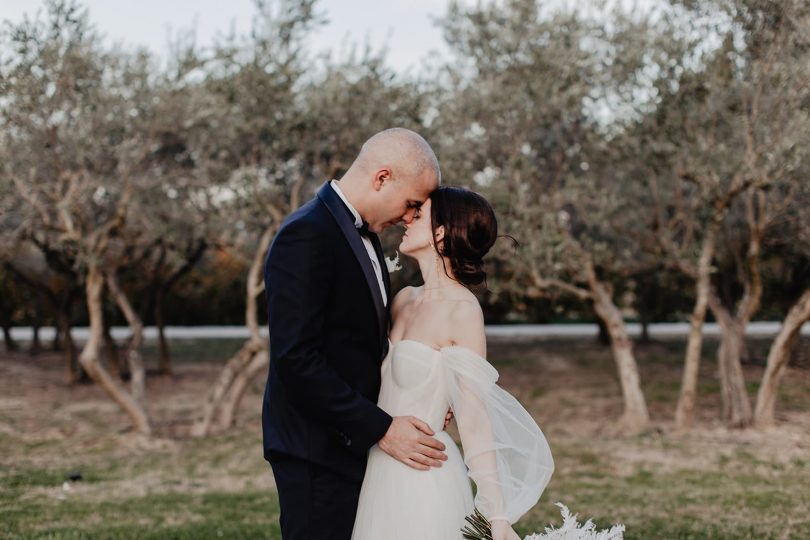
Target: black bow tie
363,230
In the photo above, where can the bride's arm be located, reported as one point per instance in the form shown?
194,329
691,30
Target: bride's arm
467,330
505,452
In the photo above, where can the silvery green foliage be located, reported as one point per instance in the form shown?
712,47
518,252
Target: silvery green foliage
519,125
571,530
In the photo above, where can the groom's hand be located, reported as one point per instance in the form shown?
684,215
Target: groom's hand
411,441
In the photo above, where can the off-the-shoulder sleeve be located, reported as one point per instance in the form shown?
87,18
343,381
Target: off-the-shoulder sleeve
505,451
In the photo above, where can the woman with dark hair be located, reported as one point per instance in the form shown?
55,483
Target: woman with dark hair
437,358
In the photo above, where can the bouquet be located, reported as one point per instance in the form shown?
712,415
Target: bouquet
478,528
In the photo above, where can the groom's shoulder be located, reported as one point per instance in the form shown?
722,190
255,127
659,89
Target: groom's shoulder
312,216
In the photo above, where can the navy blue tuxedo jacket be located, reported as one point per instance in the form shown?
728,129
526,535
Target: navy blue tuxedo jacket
328,337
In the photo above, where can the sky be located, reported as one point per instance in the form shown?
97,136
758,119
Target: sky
404,27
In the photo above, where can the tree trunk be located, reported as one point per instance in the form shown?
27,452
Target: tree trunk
778,358
636,416
36,344
259,364
6,311
56,344
229,373
68,346
192,258
645,328
735,406
111,352
234,368
685,410
150,293
8,340
133,349
255,282
164,356
89,357
603,336
73,370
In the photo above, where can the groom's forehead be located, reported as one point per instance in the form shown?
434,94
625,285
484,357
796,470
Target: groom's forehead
423,187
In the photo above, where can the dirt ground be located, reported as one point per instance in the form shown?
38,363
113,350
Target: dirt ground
711,482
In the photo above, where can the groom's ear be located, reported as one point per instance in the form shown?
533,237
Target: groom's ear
382,176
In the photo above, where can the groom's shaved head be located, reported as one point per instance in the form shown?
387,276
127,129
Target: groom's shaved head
392,176
405,151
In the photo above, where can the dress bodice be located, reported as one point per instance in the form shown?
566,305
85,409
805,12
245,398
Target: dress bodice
412,383
506,454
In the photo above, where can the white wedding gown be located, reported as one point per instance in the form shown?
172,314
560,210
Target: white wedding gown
505,453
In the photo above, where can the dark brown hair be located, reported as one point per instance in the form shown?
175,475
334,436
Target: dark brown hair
470,230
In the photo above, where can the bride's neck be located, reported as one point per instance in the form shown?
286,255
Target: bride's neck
432,267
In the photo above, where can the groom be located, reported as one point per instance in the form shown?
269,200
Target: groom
328,299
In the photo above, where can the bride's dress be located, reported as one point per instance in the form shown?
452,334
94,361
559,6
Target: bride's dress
505,453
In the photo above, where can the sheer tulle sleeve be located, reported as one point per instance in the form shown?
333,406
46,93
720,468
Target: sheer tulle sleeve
506,453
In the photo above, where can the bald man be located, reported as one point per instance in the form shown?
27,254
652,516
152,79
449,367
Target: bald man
328,298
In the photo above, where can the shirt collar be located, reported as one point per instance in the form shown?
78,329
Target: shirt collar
358,221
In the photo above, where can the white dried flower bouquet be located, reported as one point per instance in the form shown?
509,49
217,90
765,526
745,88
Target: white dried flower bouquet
479,529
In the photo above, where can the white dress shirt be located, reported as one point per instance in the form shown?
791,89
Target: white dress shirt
358,222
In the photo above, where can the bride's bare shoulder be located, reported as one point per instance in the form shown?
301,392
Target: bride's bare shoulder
466,326
403,298
467,313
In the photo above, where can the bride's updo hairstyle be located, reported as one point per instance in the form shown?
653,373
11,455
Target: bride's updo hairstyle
470,230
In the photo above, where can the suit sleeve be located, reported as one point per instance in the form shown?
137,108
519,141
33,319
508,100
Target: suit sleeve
298,279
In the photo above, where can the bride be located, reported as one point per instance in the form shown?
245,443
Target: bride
437,358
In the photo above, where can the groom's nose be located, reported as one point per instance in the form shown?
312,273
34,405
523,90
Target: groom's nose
407,217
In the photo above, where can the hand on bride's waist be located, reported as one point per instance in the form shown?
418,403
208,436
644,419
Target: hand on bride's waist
411,441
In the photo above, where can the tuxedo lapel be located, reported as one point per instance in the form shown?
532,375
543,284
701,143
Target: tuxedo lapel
339,211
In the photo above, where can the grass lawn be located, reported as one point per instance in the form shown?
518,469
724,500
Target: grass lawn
709,483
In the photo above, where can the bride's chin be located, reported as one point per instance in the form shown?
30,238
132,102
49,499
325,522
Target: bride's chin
406,248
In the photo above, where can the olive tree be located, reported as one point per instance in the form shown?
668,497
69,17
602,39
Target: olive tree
521,124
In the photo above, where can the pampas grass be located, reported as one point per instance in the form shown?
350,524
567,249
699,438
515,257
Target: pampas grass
478,528
571,530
